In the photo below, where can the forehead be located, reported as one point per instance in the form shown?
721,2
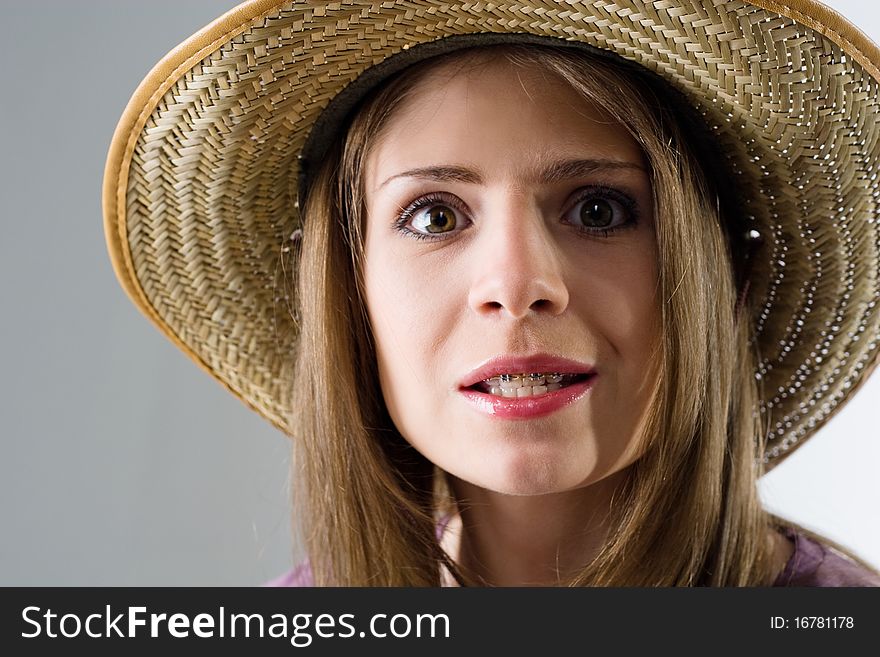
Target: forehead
478,107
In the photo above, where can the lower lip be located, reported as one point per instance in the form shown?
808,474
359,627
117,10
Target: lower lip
526,408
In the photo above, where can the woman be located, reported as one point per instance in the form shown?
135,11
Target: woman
492,214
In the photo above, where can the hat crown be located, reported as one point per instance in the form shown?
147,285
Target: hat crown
203,177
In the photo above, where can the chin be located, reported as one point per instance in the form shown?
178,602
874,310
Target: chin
530,476
522,487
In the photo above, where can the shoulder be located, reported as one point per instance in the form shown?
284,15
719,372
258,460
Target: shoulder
301,575
813,563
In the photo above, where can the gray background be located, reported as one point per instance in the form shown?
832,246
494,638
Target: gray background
124,464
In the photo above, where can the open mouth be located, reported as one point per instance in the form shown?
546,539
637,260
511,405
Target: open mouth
527,385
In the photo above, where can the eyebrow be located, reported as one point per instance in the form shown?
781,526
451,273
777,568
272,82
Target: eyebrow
554,173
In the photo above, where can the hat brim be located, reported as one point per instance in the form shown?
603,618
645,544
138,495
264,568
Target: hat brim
202,176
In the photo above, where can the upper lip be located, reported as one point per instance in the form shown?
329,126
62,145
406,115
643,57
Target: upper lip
528,364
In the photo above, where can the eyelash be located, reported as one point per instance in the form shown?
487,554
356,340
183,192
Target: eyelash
627,202
426,201
597,191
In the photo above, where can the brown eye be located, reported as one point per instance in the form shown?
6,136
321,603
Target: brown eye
601,211
597,213
435,219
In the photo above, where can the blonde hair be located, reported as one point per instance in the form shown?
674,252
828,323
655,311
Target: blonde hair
688,513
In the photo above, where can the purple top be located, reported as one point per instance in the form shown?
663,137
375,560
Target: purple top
299,576
815,564
811,564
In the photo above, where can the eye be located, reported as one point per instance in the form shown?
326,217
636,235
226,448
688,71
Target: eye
431,217
435,219
602,210
598,213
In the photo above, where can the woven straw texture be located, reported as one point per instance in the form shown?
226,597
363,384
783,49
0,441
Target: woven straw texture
208,203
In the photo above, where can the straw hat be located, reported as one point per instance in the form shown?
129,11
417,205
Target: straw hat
204,169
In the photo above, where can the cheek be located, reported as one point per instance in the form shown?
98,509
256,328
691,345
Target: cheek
636,312
622,308
618,298
406,306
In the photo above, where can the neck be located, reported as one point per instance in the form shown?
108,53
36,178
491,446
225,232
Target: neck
535,540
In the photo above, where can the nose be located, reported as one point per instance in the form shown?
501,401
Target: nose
519,267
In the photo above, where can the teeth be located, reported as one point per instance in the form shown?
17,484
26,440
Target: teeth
524,391
525,379
525,384
536,391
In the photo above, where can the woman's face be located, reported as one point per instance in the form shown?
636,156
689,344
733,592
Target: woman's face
507,218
